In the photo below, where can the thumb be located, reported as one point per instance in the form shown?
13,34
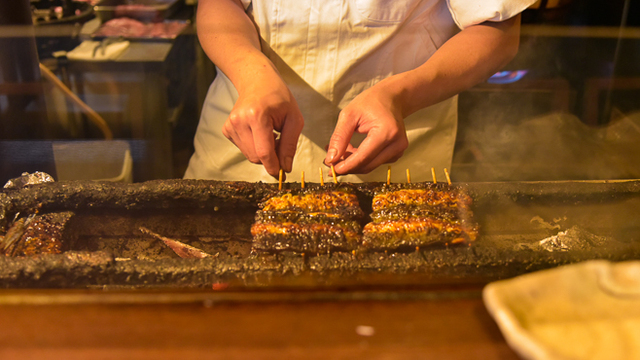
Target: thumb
289,140
340,138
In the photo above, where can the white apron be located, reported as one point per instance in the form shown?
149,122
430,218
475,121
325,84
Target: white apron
328,51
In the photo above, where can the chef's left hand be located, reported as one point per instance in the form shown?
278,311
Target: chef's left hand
374,113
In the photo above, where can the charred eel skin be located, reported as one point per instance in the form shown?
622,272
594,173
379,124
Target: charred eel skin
307,238
425,195
339,200
416,232
350,227
316,220
406,212
416,215
35,235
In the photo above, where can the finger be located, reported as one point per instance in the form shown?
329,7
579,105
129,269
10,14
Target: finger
388,155
340,138
241,135
265,147
350,150
245,147
289,140
229,133
369,149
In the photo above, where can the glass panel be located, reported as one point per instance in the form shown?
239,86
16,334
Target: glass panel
548,149
568,107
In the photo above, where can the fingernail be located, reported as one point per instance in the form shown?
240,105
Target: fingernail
288,163
331,155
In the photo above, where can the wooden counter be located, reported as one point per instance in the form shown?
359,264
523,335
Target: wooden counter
448,325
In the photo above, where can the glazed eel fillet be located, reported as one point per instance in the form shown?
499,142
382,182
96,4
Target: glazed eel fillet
426,194
340,200
35,235
315,220
419,215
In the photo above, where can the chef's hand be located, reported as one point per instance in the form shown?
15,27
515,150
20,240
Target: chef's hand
375,113
261,108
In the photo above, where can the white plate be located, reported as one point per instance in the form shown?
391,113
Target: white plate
589,310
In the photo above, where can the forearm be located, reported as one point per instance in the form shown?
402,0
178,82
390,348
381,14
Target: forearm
468,58
264,102
230,40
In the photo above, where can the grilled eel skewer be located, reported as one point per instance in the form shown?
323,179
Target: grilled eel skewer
310,221
415,232
414,217
35,235
327,220
341,200
433,195
304,232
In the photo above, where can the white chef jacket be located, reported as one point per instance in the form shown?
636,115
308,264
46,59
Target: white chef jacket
328,51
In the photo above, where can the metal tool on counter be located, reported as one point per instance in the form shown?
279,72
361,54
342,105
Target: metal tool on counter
102,46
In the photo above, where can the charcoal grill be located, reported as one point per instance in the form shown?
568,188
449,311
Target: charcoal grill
524,226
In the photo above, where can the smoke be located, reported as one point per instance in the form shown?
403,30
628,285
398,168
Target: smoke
556,146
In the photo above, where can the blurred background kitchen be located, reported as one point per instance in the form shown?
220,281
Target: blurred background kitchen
112,90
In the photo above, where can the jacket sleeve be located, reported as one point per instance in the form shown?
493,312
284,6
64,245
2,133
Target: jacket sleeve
471,12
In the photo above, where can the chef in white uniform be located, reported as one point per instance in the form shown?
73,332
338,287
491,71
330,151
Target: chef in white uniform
353,83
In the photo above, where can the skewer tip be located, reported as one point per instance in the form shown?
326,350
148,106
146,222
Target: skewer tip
333,173
321,176
408,177
280,180
389,175
302,179
446,173
433,174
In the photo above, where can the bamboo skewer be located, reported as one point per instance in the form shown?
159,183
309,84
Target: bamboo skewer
321,176
408,177
433,174
302,180
333,173
446,173
389,175
280,180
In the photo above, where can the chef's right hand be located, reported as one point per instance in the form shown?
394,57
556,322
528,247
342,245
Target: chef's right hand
264,106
